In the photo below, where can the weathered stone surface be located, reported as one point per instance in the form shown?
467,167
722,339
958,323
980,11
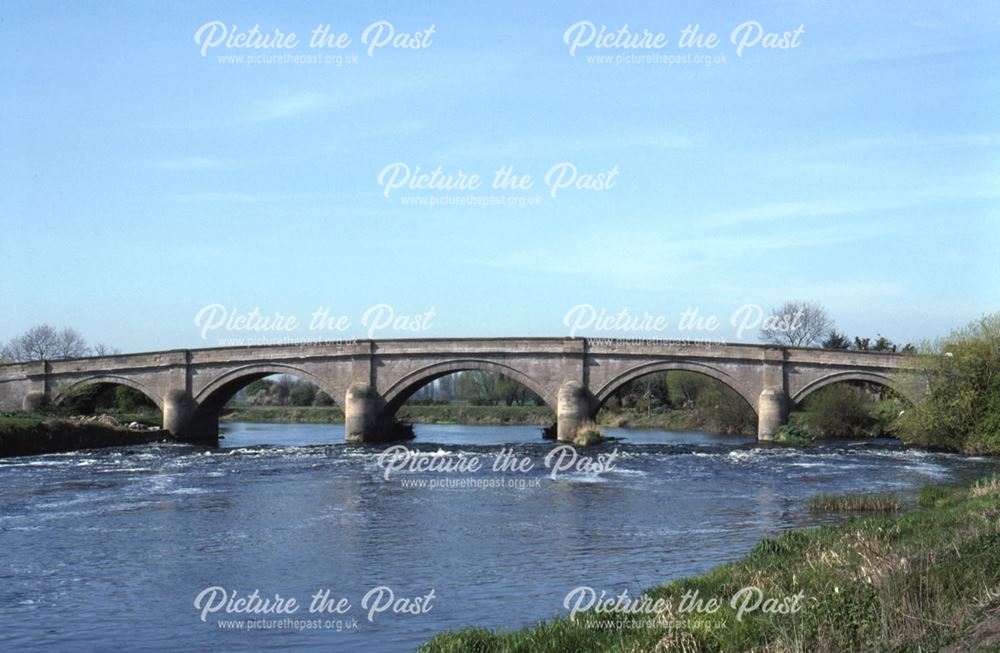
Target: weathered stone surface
370,380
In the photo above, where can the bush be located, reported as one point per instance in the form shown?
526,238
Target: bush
323,399
792,434
302,394
960,406
839,410
727,411
587,434
129,400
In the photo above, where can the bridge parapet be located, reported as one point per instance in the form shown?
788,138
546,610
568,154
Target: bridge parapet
371,379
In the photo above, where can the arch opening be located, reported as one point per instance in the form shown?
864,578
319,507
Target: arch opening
474,395
112,400
398,393
249,397
849,406
678,400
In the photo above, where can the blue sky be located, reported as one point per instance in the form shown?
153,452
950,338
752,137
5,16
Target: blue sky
142,181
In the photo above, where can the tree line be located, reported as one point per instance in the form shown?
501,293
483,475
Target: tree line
46,342
813,327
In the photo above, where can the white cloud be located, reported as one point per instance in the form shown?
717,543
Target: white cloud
287,106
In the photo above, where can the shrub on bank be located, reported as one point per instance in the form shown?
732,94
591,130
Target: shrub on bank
839,410
588,434
958,379
792,433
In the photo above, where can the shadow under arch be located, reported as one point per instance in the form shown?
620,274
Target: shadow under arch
848,376
211,399
106,379
397,394
608,390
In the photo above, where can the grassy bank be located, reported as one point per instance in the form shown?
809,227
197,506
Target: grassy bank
684,419
446,414
927,580
284,414
674,420
32,435
452,414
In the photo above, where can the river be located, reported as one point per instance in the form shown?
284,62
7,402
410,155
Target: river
111,548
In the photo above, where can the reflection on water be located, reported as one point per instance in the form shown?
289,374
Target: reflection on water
116,543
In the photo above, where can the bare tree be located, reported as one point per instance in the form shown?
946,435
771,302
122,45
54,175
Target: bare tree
101,349
37,343
797,324
70,344
44,342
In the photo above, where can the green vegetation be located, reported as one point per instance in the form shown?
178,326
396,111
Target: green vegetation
416,414
845,410
463,398
282,414
961,409
463,414
839,410
921,581
792,434
588,434
23,434
121,402
480,388
13,422
680,401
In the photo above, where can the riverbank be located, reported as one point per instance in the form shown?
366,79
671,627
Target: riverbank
670,420
32,435
926,580
686,420
440,414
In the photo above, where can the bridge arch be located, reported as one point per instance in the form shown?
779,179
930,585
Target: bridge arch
604,393
402,389
220,390
64,392
852,375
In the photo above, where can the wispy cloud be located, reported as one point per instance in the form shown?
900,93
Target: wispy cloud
642,258
355,91
288,106
895,200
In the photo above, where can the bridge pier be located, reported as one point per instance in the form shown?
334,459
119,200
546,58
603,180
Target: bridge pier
572,409
192,386
185,422
361,414
771,412
34,401
177,412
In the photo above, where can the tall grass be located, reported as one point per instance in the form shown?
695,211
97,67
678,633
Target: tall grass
920,581
854,503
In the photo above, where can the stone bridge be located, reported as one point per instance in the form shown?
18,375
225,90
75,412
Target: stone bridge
371,379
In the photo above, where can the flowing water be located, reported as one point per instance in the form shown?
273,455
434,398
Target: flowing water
110,548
